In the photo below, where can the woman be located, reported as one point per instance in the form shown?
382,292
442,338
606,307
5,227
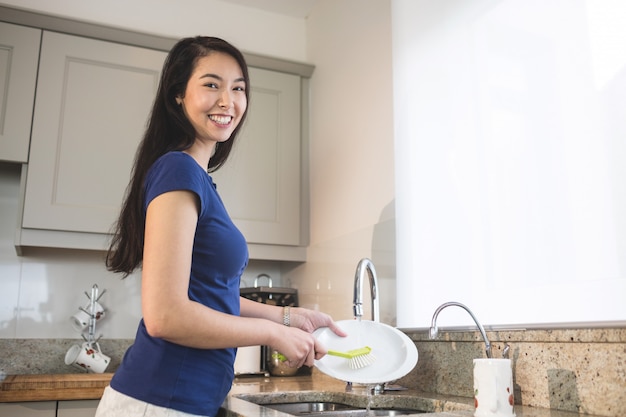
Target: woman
175,226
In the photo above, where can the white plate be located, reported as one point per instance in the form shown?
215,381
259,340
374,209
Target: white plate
395,353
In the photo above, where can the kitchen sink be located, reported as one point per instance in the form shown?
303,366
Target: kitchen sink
340,404
333,409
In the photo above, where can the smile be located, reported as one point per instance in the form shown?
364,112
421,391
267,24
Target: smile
222,120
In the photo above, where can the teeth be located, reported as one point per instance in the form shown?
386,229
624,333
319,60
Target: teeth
223,120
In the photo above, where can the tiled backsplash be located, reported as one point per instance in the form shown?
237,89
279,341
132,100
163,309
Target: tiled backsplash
582,370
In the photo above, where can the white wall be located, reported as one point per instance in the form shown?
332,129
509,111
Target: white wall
510,158
351,155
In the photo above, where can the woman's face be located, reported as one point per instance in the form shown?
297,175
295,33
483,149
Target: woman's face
215,97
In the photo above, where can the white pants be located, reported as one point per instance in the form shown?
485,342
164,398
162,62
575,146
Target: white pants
116,404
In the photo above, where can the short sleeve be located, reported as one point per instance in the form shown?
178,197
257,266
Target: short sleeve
175,171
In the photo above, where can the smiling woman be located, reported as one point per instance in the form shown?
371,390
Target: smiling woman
175,226
509,162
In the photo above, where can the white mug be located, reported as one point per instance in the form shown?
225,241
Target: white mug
87,357
80,320
493,388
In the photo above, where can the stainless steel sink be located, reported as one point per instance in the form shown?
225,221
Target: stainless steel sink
333,409
338,404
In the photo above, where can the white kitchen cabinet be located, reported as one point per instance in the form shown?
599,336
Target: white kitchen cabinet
29,409
19,54
93,100
260,183
77,408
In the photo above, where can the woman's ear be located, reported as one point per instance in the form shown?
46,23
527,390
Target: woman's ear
179,100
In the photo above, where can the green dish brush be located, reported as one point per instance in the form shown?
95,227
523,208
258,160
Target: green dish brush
358,358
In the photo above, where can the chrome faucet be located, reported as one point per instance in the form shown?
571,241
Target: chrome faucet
364,265
434,331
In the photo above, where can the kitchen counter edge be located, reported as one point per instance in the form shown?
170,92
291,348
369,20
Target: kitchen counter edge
53,387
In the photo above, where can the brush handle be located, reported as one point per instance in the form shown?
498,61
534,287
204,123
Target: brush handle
340,354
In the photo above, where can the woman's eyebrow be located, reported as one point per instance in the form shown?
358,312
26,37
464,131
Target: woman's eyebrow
209,75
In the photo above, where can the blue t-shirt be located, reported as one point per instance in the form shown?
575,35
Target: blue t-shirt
191,380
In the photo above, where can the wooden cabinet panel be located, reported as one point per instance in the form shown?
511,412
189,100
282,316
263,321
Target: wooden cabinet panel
19,54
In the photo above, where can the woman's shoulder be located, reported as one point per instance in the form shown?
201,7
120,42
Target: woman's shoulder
177,158
175,171
177,163
176,167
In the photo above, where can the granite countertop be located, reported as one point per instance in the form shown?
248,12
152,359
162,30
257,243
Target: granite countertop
248,392
246,395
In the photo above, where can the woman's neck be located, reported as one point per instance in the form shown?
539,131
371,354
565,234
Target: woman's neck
201,153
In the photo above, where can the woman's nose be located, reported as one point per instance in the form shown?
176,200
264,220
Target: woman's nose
225,100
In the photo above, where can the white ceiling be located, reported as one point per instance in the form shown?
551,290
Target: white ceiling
294,8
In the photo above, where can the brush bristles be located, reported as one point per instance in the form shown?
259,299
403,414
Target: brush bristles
361,361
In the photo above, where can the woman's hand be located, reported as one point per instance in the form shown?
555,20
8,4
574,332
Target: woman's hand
307,321
297,343
299,347
311,320
294,341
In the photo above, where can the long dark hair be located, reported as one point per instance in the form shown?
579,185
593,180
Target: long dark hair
168,130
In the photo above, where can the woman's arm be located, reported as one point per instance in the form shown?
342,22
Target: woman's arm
169,313
302,318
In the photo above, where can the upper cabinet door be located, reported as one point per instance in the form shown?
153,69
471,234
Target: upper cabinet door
260,183
19,53
92,105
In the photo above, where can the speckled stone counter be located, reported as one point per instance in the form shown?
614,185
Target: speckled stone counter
47,356
248,396
580,370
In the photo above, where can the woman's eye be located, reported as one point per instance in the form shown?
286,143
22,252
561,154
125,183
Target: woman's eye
239,89
210,85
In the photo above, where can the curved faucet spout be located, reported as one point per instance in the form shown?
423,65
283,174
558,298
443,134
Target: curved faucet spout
434,331
366,265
